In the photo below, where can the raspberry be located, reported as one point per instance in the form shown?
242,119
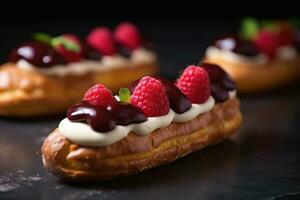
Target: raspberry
102,40
194,83
128,35
100,95
268,42
68,46
150,96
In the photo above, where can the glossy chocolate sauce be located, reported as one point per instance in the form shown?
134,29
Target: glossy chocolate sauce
123,51
237,45
92,54
179,103
37,53
127,52
98,117
220,82
89,52
125,114
103,119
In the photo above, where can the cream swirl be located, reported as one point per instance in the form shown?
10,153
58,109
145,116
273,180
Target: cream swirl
287,53
195,110
83,134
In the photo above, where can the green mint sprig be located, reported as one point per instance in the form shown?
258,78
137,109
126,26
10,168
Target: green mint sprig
124,95
249,28
67,43
42,37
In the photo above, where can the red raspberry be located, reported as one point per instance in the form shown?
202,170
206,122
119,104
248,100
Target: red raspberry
268,42
150,96
99,95
128,35
194,83
102,40
71,54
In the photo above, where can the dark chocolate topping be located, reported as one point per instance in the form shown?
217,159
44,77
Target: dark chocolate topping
220,82
89,52
37,53
103,119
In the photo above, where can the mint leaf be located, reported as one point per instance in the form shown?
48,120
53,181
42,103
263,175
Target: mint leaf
66,42
124,95
42,37
249,28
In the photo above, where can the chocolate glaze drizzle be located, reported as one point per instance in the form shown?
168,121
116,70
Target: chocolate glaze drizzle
98,117
125,114
104,119
36,53
89,52
220,82
123,51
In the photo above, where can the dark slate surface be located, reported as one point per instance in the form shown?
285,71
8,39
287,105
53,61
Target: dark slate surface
261,162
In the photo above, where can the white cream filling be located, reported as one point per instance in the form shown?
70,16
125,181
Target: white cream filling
232,94
195,110
283,53
286,53
214,52
138,57
83,134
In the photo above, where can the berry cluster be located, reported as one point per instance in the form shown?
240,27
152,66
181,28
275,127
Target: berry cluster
268,35
106,42
69,48
150,95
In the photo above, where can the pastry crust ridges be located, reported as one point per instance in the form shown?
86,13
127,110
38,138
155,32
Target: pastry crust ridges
259,77
30,93
135,153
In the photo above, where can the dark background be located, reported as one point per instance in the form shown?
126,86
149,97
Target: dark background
260,162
